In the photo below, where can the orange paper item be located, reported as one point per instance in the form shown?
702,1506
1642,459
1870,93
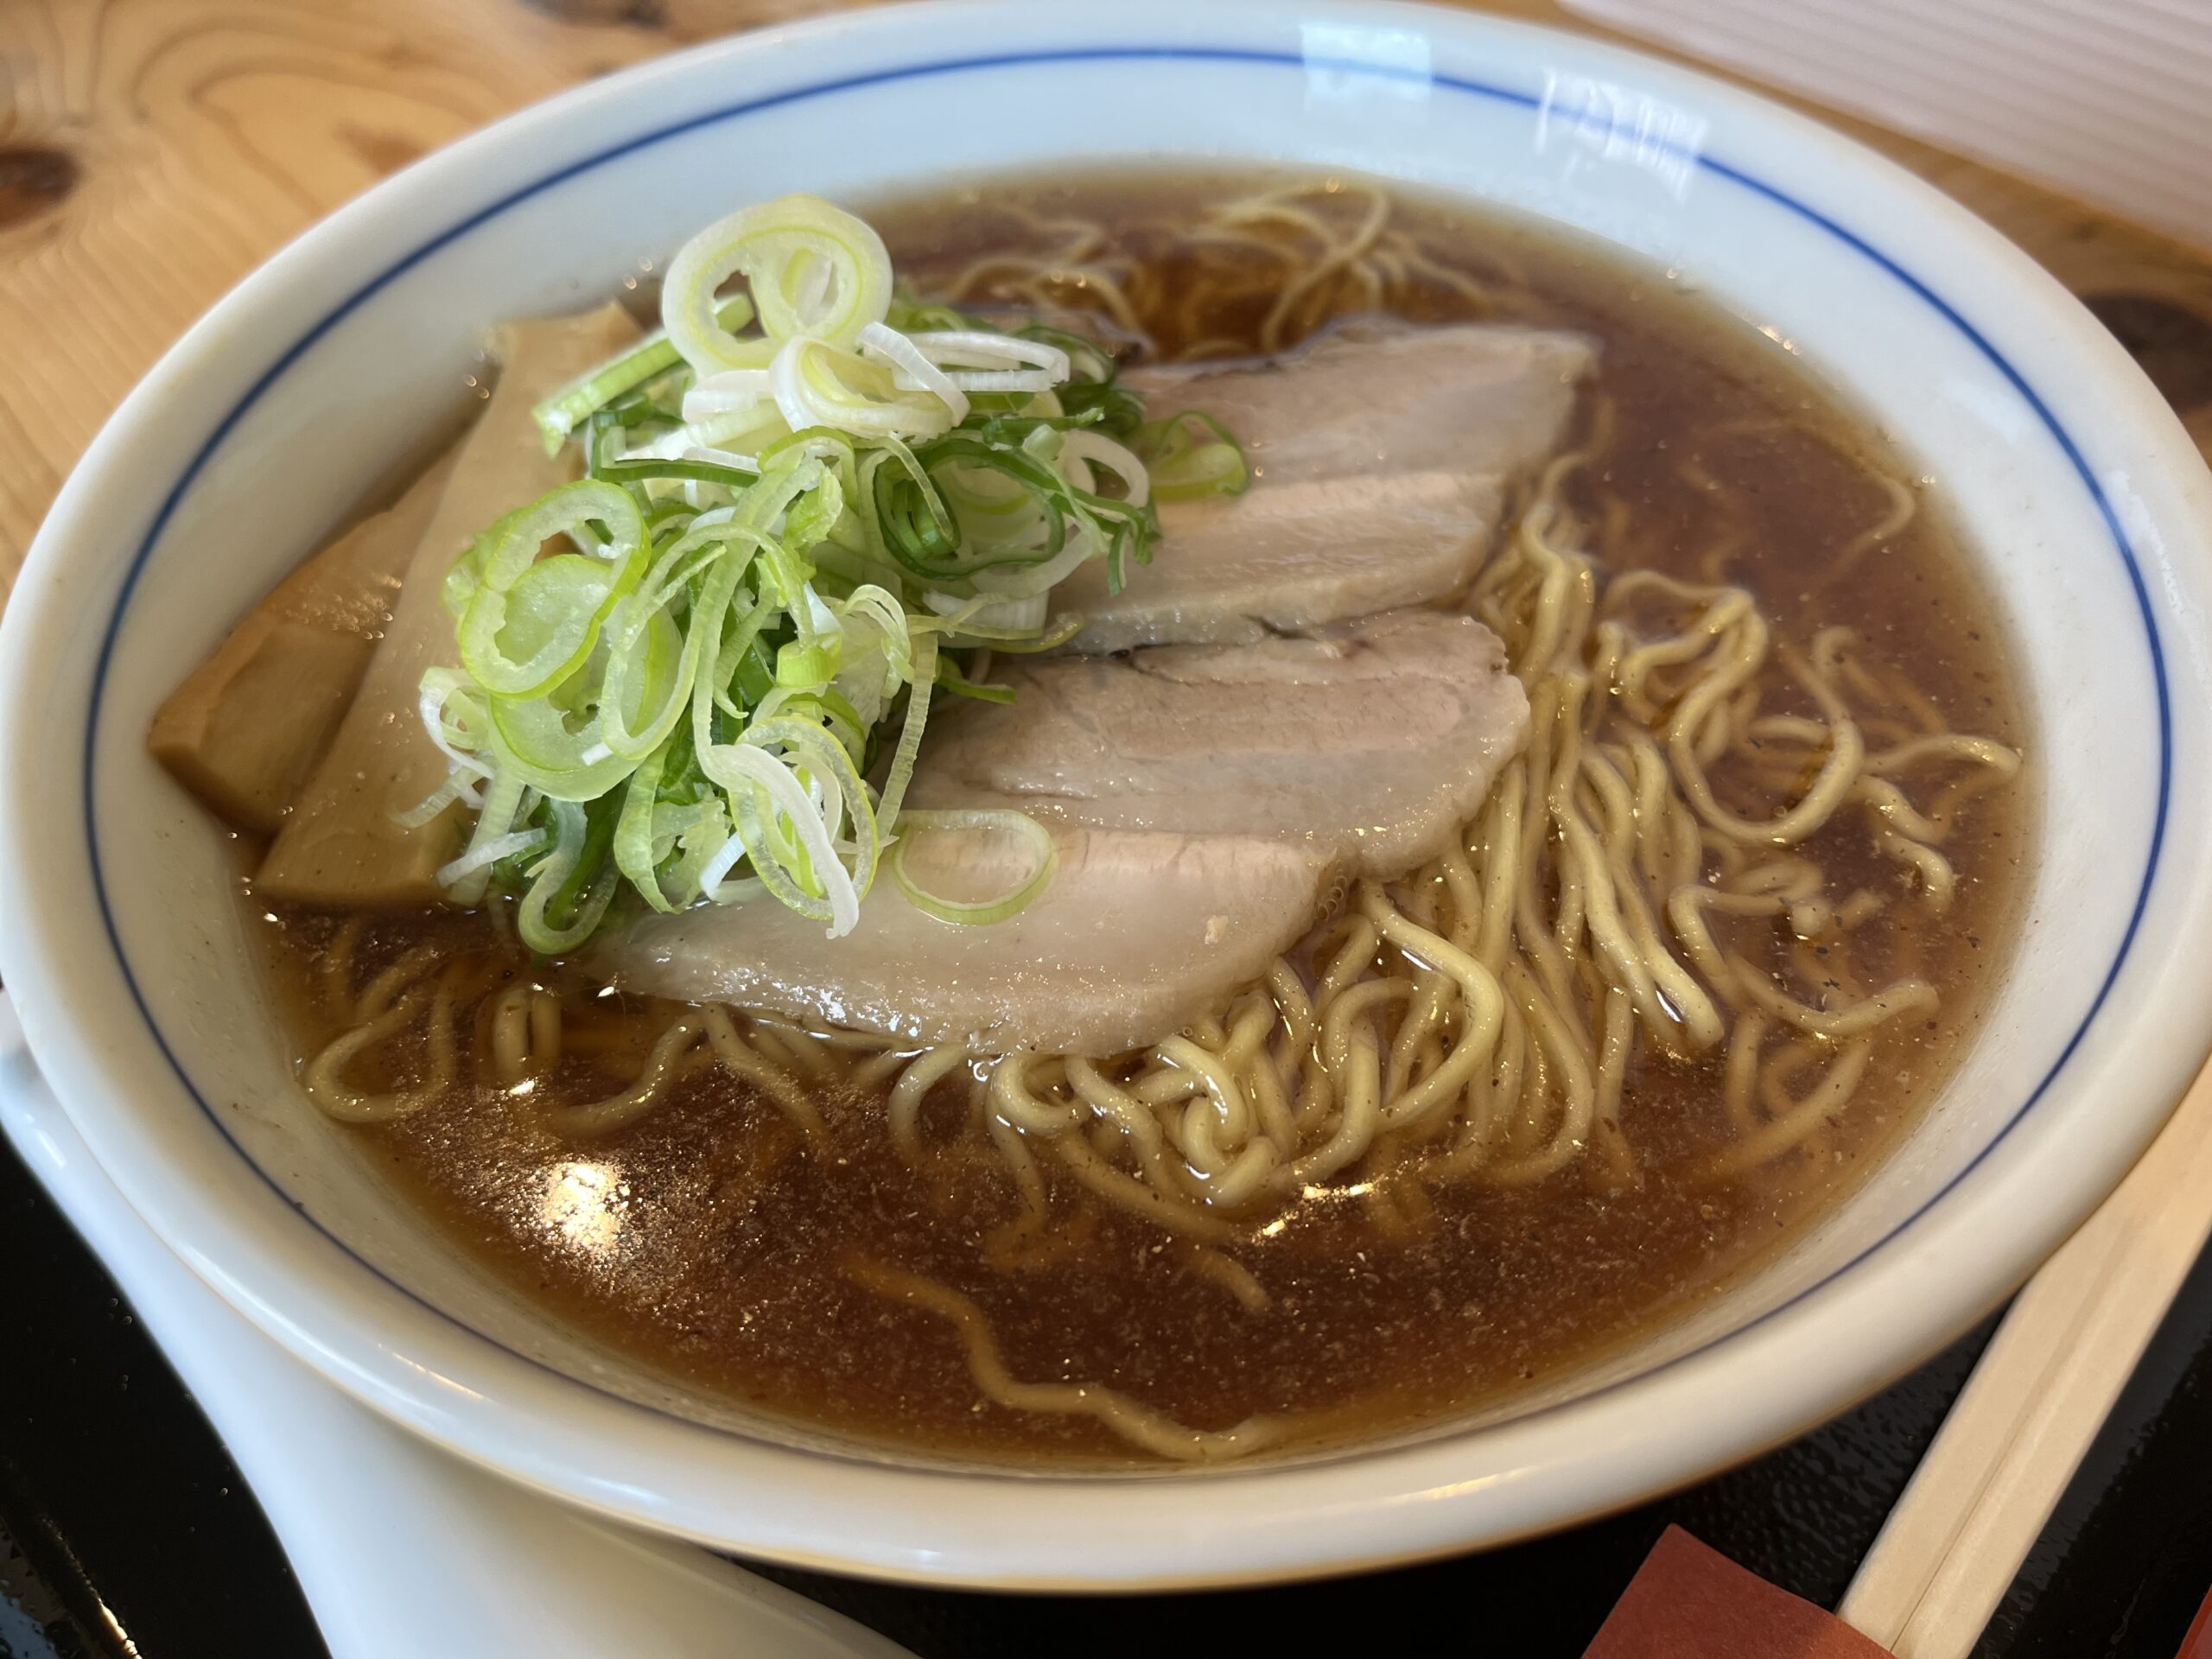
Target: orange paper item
2197,1645
1688,1601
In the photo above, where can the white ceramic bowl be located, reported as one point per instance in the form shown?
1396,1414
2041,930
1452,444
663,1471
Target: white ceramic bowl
124,949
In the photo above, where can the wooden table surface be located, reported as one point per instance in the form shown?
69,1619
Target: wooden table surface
153,151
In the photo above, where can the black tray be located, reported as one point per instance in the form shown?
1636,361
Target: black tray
125,1530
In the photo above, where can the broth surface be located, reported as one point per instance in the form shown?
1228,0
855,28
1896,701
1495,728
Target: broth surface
707,1240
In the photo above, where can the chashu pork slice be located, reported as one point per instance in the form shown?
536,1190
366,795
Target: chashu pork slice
1383,457
1135,934
1369,741
1202,802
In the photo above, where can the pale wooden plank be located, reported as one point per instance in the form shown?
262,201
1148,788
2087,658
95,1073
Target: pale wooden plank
2036,1399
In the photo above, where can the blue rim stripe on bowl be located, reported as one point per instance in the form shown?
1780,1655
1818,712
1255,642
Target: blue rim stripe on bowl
1300,62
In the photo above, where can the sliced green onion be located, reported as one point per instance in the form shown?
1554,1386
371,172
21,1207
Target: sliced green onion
467,877
562,412
634,852
953,678
1091,450
777,535
523,642
907,314
1191,455
792,844
480,857
454,714
549,755
983,911
514,543
558,888
646,668
818,384
677,470
1055,633
910,735
801,664
1090,363
1113,408
911,370
699,844
815,270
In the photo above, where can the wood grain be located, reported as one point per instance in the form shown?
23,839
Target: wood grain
153,151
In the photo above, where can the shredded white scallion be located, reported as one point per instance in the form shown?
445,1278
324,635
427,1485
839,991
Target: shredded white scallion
910,370
490,853
734,391
975,349
725,860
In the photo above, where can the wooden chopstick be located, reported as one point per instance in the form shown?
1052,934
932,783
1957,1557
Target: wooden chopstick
2035,1399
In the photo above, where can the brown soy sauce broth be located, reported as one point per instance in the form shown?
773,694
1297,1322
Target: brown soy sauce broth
705,1240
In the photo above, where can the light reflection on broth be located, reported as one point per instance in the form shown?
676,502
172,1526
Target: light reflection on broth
582,1207
1745,949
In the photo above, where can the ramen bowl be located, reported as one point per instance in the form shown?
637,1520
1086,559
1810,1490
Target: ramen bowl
136,976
